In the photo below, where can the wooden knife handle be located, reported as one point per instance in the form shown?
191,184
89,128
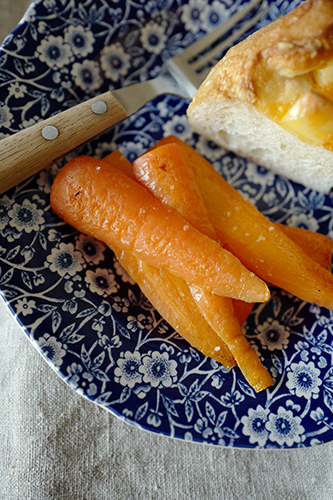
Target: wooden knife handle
27,152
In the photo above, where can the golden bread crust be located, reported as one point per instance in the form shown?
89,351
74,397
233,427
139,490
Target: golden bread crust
288,48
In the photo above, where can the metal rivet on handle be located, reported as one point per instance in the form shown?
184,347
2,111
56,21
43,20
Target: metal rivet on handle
99,107
50,132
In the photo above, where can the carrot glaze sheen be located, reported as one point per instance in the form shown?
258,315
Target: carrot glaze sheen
166,166
170,295
103,202
260,245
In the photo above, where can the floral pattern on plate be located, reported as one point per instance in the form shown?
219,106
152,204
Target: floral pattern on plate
80,309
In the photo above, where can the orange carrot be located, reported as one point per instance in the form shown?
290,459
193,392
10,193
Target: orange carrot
318,246
216,311
173,183
170,295
105,203
260,245
117,160
242,310
167,174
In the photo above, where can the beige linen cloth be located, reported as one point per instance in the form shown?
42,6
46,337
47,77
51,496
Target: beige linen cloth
55,445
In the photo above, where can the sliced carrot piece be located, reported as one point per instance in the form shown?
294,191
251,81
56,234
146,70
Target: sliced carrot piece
103,202
167,174
260,245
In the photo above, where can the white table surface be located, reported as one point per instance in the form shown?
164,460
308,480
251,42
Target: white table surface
56,445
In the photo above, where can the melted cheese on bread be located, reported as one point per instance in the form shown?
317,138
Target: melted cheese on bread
283,72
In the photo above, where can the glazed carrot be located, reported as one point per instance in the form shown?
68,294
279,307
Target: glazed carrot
105,203
167,174
242,310
173,182
117,160
260,245
170,295
318,246
216,312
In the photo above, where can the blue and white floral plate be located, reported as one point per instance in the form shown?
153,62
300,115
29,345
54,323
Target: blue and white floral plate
80,309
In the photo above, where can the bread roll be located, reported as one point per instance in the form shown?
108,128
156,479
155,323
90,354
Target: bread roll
270,98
